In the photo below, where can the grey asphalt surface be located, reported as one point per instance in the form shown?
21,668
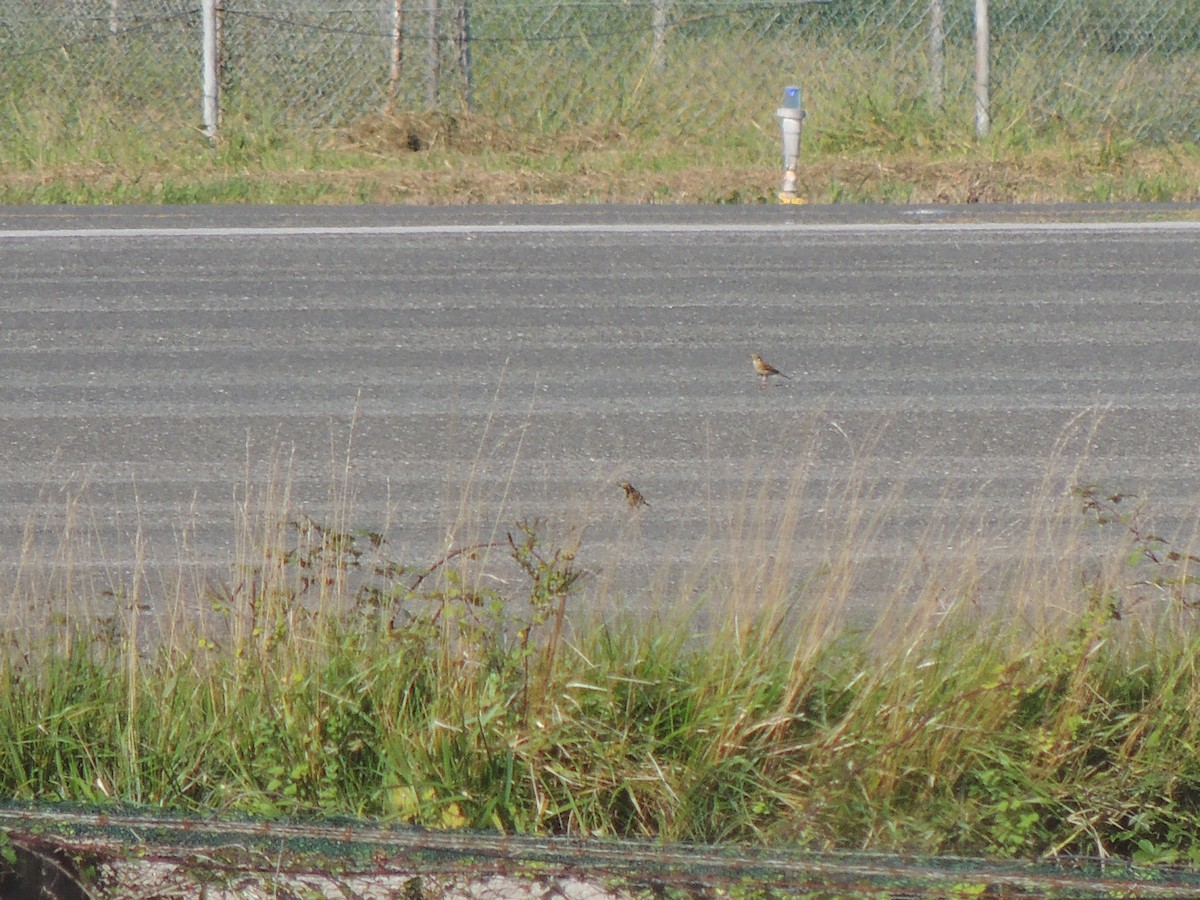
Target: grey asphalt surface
167,369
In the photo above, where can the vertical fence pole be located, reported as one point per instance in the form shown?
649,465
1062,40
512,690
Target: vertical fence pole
937,53
462,45
212,104
397,54
982,75
114,16
658,27
433,57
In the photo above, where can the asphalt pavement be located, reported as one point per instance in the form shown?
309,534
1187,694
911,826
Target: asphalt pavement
437,375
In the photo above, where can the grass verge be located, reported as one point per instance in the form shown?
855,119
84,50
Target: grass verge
327,679
610,120
443,160
610,175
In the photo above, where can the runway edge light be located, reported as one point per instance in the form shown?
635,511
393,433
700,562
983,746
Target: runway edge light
791,122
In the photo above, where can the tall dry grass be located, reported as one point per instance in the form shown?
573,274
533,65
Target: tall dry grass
1046,708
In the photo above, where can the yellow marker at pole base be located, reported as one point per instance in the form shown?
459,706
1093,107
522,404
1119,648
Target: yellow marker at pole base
791,198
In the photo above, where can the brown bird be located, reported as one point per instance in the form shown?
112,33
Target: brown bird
632,495
764,369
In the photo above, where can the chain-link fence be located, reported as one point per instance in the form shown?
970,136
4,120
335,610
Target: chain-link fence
1125,67
60,853
872,70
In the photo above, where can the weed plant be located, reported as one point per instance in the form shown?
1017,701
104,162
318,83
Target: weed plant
326,678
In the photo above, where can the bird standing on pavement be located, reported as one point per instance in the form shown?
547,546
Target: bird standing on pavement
632,495
764,369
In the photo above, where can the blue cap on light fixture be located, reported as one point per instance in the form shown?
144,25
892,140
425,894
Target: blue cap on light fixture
791,98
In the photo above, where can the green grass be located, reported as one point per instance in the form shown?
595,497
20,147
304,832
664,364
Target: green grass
1049,713
604,126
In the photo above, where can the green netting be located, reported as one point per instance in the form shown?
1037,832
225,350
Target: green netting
91,853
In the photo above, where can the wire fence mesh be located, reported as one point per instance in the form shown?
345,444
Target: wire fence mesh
649,68
1130,67
56,853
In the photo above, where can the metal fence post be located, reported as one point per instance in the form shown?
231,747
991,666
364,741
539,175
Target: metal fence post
396,68
937,53
433,52
462,44
212,104
982,58
658,27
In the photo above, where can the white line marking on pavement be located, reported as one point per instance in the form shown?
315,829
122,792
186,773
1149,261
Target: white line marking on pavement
795,228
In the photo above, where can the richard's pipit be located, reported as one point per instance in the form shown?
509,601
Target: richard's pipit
632,495
764,369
